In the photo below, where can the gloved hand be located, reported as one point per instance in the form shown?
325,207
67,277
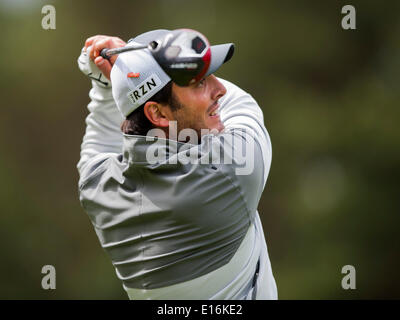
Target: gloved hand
93,65
89,68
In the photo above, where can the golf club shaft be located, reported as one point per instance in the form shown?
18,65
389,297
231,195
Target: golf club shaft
107,53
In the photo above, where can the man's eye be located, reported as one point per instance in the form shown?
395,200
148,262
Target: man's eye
201,82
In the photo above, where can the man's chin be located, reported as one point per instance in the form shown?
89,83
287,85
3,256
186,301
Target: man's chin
219,128
214,124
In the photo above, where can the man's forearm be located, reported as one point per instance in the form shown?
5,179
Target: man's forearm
103,134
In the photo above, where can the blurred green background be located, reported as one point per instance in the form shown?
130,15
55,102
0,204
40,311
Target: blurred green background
331,104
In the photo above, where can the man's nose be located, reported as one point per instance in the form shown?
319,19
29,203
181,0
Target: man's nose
218,90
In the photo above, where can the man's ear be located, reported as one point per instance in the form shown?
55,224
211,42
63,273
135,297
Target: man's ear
154,112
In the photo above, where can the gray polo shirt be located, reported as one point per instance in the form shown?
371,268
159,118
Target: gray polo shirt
183,214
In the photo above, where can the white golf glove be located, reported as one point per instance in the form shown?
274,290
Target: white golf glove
89,68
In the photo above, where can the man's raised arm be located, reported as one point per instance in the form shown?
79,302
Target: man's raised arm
240,111
103,135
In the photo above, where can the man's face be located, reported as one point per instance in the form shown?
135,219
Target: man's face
196,106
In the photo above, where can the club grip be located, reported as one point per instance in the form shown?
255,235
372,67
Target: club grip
103,53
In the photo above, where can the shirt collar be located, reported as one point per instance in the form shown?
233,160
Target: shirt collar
140,150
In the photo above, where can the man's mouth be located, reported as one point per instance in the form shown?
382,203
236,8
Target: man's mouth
214,112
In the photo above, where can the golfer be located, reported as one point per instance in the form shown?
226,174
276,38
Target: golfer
171,177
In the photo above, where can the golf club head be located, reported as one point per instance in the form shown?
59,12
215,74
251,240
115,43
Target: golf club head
183,54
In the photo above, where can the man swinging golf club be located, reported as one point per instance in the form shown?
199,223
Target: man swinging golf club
173,164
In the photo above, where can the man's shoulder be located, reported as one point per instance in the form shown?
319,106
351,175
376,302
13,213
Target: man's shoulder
231,88
236,96
95,168
240,110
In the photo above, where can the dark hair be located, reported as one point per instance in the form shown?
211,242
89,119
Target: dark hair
137,123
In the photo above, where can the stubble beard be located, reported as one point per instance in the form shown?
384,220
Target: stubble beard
192,123
176,106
